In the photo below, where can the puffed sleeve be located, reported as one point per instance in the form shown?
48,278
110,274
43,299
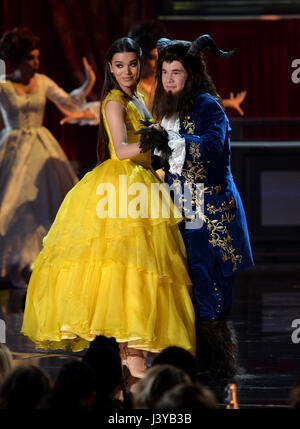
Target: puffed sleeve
73,101
115,95
2,82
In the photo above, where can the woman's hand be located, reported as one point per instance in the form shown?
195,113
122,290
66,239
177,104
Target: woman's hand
71,116
161,174
234,102
158,127
90,77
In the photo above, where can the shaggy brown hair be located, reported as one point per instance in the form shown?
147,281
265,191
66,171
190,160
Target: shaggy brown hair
198,81
16,44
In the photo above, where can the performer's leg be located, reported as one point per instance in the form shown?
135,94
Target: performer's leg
123,348
225,284
136,362
223,288
212,295
201,267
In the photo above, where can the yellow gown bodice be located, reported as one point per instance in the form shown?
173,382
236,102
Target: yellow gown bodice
135,111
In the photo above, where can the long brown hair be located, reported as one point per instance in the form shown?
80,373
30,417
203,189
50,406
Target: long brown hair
125,44
198,80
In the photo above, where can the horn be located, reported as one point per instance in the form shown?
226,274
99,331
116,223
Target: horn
162,44
206,41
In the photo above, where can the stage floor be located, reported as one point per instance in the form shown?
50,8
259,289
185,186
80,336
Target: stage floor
266,301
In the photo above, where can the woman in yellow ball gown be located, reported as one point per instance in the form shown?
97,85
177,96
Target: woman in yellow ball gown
109,266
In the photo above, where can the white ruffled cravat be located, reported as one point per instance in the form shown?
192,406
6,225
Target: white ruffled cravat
176,142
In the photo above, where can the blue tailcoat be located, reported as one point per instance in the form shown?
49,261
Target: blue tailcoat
207,135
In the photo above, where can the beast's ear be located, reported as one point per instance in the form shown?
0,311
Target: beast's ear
162,44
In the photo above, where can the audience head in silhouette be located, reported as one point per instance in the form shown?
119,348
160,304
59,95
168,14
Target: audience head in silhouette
158,380
25,388
75,387
180,358
103,356
188,396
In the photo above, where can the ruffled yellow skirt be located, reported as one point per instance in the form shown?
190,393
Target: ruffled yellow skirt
120,276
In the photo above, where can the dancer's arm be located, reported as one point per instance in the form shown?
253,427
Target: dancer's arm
115,118
74,101
90,78
234,102
90,115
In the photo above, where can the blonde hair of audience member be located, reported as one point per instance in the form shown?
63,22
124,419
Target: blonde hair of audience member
188,396
157,380
5,362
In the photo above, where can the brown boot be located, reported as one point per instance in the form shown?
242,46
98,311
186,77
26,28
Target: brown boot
217,349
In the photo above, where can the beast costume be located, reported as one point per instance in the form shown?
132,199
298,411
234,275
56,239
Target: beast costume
215,232
221,247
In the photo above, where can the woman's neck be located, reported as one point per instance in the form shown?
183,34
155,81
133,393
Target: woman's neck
18,76
129,91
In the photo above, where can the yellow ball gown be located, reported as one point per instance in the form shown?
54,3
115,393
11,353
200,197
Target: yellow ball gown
121,274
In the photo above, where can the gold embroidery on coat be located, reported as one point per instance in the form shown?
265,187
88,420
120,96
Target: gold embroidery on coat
194,171
220,236
195,150
224,206
189,125
213,189
219,233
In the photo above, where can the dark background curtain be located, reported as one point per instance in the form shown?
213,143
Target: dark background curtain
71,29
262,65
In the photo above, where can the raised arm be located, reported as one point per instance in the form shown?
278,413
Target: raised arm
89,115
76,100
234,102
115,117
90,78
73,101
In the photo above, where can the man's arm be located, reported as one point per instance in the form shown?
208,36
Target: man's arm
213,131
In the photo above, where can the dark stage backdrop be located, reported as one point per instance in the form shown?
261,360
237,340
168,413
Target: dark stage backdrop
262,64
71,29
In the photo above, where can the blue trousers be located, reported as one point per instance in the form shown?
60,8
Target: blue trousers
212,291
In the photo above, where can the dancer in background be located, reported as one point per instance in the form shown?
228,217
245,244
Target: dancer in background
110,266
216,236
35,174
146,34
